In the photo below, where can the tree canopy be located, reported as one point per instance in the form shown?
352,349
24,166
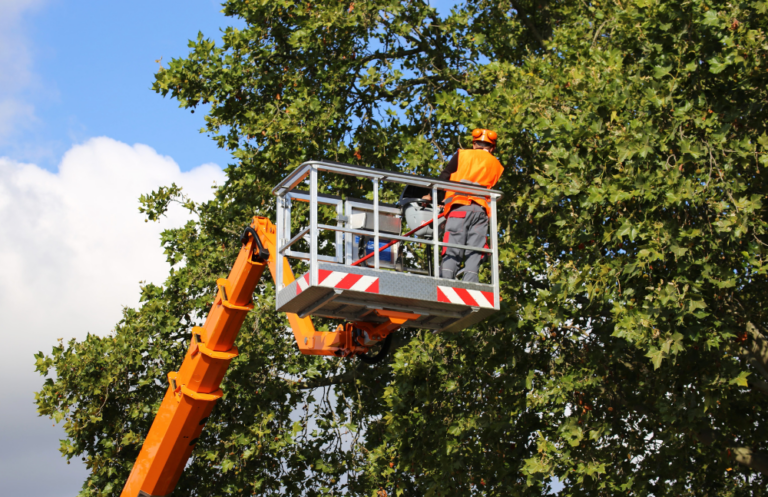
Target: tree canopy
631,352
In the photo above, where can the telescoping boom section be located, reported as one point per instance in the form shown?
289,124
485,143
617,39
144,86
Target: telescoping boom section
367,282
194,389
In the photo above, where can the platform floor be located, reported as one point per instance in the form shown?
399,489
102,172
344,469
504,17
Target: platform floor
354,293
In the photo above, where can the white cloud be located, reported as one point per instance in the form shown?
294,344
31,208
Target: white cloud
73,248
73,245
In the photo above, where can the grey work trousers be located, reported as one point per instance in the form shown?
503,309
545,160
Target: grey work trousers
466,225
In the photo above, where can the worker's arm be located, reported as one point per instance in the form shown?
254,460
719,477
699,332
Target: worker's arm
445,175
451,167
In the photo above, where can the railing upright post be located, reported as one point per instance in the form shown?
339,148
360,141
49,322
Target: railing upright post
281,240
435,235
339,235
348,237
495,255
313,269
287,206
376,223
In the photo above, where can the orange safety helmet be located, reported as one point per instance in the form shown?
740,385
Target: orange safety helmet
484,135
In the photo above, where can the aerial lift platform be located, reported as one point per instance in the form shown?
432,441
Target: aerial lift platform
358,267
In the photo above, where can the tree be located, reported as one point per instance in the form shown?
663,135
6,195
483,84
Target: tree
631,352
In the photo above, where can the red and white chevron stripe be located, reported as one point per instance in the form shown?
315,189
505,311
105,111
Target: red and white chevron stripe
475,298
341,280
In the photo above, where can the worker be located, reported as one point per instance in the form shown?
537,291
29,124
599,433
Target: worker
467,215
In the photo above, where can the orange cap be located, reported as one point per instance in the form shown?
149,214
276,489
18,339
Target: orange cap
484,135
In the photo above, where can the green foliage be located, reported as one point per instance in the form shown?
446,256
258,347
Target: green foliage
627,356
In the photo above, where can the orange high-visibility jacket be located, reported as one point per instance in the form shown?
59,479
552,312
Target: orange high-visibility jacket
479,167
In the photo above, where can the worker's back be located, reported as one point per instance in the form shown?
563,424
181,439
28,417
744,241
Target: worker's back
479,167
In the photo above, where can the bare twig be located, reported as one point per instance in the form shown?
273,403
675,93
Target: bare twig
711,161
598,30
106,396
670,157
733,201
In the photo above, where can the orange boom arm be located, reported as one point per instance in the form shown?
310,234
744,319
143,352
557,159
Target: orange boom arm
194,389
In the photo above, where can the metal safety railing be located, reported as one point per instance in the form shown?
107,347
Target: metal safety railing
350,211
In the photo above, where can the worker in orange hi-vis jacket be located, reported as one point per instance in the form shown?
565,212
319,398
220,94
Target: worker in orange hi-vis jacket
467,215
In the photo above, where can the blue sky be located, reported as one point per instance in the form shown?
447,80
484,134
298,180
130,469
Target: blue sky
84,69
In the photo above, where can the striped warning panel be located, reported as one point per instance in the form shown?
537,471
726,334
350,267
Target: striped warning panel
340,280
475,298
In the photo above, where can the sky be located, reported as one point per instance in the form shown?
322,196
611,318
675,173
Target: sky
72,70
82,136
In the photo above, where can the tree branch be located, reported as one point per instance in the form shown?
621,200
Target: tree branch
341,379
759,385
742,455
758,350
528,23
746,457
599,30
351,375
392,55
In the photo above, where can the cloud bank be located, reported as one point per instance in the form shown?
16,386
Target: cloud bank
73,248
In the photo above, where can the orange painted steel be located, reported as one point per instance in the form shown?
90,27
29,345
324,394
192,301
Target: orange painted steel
194,389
